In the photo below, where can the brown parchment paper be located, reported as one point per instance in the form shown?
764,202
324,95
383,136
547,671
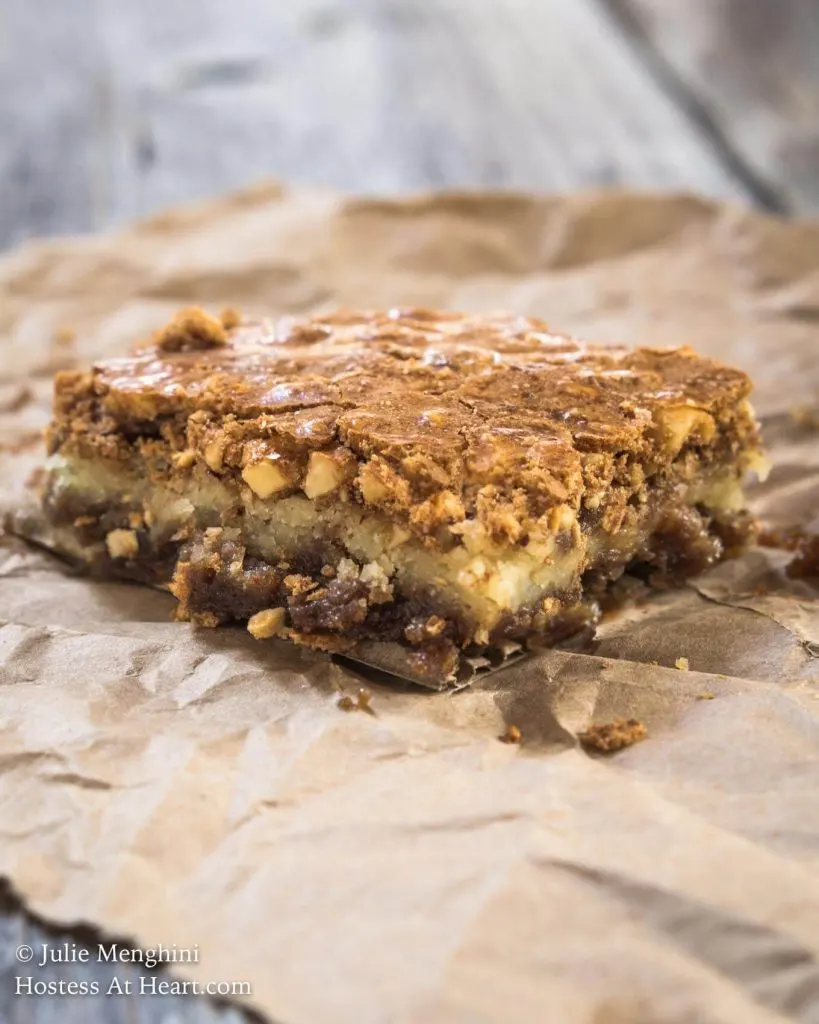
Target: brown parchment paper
173,785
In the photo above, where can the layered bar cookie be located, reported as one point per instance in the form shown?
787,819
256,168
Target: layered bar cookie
449,484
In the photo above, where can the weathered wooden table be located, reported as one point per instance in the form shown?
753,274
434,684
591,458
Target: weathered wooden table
110,109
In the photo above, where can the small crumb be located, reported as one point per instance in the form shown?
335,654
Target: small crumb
512,735
614,735
328,571
184,460
682,664
805,416
208,620
707,695
122,544
298,584
64,336
230,318
81,521
191,330
361,702
266,623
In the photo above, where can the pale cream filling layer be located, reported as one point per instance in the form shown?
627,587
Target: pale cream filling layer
476,574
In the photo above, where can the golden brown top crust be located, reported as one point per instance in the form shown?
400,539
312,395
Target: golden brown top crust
437,413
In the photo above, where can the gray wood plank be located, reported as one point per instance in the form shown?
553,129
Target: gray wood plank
112,110
748,70
52,101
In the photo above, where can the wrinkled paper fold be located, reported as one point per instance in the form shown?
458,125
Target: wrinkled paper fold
178,785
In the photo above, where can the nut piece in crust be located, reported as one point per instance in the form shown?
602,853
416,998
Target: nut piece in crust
191,330
613,735
679,423
122,544
267,623
264,478
324,474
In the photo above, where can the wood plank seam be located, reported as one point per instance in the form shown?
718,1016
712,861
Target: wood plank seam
763,192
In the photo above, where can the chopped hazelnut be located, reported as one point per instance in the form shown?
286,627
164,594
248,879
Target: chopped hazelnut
324,474
681,422
265,478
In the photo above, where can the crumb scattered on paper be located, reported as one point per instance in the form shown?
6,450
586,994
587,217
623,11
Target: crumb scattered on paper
230,318
64,336
361,702
706,695
682,664
806,416
512,734
614,735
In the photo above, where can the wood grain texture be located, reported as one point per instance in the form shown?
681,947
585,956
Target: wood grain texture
749,71
112,110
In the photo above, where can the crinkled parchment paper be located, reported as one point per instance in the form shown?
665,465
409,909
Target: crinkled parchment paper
174,785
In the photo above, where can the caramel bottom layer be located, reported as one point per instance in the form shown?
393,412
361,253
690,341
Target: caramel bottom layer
332,575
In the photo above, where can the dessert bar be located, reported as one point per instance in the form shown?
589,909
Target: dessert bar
450,484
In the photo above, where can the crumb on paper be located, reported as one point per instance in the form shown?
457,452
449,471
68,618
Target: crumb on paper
361,702
512,735
705,695
64,335
682,664
614,735
805,416
230,318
